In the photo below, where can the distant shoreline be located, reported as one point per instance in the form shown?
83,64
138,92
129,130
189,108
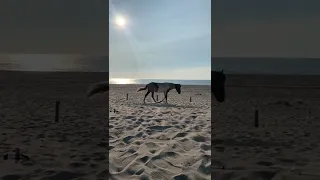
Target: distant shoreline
267,65
233,80
102,72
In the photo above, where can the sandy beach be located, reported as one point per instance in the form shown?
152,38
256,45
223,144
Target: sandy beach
286,143
160,141
74,148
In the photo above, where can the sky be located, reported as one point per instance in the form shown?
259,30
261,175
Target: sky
54,27
162,39
270,28
54,35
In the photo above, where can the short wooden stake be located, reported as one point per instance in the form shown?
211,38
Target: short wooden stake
256,118
127,96
57,111
17,154
157,97
190,99
309,112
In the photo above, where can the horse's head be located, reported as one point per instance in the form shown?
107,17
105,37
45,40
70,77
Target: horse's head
178,87
218,80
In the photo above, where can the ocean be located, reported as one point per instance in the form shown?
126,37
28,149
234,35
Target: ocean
146,81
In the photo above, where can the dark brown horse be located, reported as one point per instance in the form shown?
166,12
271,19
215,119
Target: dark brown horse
159,87
98,88
218,82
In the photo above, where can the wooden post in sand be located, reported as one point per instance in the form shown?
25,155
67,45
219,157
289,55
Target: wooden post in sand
57,111
17,154
256,118
127,96
190,99
157,97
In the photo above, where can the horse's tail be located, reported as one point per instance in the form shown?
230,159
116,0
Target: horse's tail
142,88
98,88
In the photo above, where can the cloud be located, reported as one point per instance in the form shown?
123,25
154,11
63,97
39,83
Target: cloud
183,53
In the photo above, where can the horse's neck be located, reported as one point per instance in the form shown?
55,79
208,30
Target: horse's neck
214,76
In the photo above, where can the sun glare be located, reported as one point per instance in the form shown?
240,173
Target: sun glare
121,81
120,21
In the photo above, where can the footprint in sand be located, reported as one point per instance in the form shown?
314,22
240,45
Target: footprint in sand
11,177
159,128
65,175
144,159
181,177
180,135
199,138
77,164
205,147
128,139
264,163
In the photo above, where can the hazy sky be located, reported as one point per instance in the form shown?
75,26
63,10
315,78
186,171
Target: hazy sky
166,39
54,26
269,28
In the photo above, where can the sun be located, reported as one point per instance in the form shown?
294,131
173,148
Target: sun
121,81
120,21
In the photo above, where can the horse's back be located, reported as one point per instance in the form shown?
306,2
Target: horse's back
163,87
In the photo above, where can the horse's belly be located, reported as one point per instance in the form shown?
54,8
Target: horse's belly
162,89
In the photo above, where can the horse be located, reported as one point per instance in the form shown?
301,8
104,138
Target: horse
98,88
159,87
218,82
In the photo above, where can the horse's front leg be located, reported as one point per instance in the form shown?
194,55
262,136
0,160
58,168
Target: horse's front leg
152,94
166,96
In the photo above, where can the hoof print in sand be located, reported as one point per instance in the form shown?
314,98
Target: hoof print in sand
181,177
127,139
154,141
77,164
199,138
64,175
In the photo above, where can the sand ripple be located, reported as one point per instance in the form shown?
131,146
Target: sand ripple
158,141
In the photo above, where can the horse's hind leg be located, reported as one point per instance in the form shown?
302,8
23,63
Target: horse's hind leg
152,94
144,100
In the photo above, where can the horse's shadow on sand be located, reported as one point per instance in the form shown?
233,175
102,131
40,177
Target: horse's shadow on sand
165,105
